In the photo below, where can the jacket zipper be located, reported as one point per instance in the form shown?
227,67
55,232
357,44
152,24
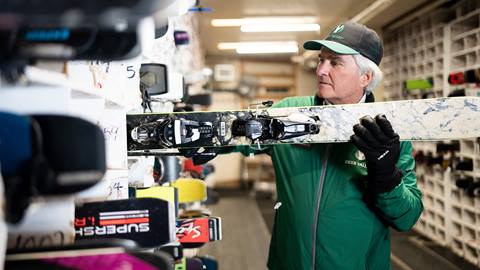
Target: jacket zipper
317,207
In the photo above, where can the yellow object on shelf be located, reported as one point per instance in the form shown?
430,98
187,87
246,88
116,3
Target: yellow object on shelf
190,190
165,193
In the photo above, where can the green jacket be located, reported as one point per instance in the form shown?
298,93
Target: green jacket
326,219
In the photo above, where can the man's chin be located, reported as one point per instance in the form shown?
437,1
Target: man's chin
324,93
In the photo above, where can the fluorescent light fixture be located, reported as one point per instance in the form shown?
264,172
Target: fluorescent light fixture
274,27
263,20
267,50
228,45
262,47
266,46
226,22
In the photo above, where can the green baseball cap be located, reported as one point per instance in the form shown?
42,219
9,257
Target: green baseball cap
351,38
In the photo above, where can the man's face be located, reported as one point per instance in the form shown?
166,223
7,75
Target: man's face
338,78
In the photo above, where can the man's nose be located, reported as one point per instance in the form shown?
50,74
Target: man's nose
323,68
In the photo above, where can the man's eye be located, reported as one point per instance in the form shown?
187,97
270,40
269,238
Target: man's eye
336,63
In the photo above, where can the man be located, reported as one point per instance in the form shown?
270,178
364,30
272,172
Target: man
336,202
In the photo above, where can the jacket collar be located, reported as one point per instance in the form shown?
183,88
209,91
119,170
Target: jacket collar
320,101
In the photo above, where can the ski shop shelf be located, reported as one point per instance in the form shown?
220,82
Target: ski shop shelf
59,79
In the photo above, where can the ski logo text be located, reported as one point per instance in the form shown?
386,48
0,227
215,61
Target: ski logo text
189,228
193,230
118,222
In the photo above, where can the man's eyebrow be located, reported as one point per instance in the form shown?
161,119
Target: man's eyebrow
331,57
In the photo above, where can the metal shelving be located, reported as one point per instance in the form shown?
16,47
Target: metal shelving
435,45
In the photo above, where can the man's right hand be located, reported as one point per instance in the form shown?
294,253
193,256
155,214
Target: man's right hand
381,146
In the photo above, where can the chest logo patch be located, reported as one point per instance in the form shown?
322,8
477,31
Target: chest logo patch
359,160
359,155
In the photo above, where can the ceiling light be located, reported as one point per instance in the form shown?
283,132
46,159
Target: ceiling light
228,45
260,47
266,50
268,47
296,27
263,20
226,22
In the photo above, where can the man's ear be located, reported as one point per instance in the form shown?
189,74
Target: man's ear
365,79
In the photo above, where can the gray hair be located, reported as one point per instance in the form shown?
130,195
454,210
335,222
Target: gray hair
366,65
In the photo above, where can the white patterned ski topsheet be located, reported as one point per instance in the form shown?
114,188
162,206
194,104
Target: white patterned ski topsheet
413,120
425,119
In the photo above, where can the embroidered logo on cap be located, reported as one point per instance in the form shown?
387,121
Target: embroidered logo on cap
336,32
338,29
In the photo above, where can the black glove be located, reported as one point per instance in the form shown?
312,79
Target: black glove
381,147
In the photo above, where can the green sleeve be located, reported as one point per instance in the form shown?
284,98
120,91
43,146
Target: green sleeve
247,150
403,205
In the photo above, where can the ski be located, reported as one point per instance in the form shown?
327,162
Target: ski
199,230
101,258
149,222
414,120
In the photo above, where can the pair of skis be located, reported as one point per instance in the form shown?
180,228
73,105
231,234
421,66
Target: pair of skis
147,221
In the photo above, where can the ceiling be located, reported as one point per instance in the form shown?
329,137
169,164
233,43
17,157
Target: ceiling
328,13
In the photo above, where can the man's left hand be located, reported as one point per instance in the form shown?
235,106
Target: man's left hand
381,147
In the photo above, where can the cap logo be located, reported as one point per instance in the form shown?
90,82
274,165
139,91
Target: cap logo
336,33
338,29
